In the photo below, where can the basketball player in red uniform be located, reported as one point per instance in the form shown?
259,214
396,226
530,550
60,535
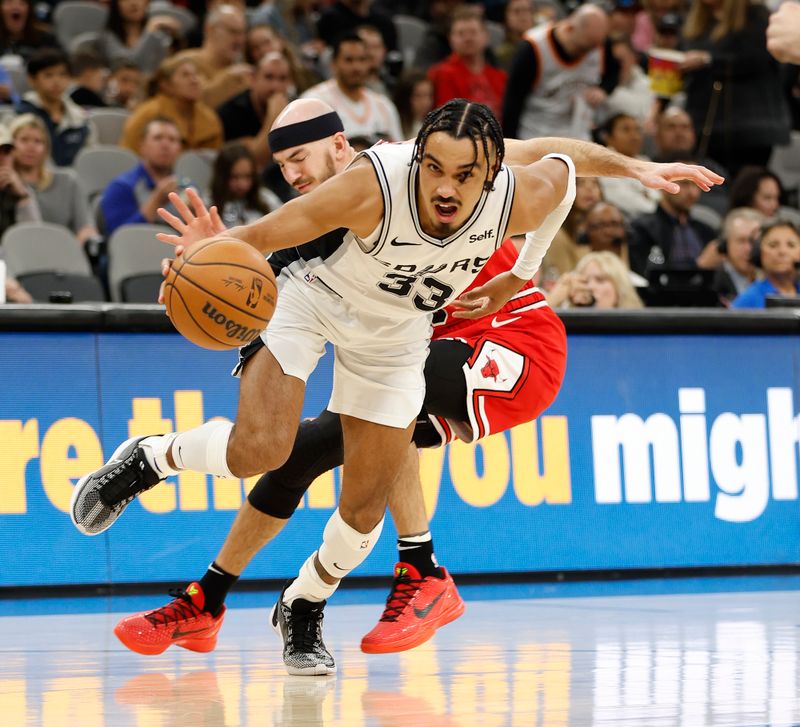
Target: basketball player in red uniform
482,376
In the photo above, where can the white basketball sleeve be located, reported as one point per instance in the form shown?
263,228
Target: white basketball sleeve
538,242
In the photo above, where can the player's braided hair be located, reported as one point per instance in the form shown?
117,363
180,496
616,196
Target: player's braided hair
465,119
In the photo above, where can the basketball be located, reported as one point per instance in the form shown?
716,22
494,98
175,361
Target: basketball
221,293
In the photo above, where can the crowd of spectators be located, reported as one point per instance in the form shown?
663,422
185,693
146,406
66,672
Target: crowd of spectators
196,86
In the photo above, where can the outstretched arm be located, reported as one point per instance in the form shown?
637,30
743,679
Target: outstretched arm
594,160
351,199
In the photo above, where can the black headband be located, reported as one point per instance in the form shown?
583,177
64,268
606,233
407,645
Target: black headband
303,132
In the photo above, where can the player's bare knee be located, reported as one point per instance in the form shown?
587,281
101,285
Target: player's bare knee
253,453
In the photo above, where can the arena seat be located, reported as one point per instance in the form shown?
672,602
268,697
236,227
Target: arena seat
48,258
134,263
76,16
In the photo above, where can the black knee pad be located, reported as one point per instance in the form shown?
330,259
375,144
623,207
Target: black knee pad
317,449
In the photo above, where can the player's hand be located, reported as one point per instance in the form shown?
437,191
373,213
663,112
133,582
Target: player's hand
783,33
666,176
487,298
197,224
193,224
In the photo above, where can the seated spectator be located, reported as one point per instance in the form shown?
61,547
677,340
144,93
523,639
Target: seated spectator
345,15
218,60
569,244
67,123
17,204
623,133
58,193
260,40
559,76
674,133
249,116
413,97
675,138
178,88
669,237
606,231
600,280
20,33
740,233
134,196
236,188
125,86
90,76
263,39
465,72
363,112
379,77
777,254
435,44
130,35
518,18
758,188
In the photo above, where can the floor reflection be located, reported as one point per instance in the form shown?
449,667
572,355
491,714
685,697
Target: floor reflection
689,660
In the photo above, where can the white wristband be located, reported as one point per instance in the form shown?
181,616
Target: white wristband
538,241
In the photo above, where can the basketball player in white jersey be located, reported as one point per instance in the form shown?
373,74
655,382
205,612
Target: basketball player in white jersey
459,153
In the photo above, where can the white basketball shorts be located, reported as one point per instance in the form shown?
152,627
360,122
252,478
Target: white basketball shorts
378,363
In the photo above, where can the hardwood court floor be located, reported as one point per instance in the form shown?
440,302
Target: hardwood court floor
673,653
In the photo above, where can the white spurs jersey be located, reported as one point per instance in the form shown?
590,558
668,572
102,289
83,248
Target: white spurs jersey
399,271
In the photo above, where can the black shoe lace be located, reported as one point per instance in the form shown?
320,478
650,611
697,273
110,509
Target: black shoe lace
129,478
304,630
403,590
178,610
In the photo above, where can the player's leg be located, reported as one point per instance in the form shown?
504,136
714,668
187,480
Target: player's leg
373,454
318,448
221,448
265,393
274,369
419,581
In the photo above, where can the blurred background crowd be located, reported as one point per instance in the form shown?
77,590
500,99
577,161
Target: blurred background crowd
107,107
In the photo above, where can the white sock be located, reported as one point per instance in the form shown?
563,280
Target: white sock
204,449
155,452
423,538
308,585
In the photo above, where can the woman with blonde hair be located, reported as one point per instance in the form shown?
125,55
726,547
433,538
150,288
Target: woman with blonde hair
176,91
57,192
600,280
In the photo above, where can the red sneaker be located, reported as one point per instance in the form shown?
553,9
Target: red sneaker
182,622
416,607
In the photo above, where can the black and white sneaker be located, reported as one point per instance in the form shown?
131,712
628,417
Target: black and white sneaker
300,627
100,497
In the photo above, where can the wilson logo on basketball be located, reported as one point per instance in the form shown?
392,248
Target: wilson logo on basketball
232,328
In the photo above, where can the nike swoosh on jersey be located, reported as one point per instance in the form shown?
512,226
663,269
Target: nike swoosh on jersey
335,565
423,612
498,324
398,243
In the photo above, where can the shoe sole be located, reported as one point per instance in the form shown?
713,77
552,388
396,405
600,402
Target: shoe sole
318,670
202,645
420,636
79,488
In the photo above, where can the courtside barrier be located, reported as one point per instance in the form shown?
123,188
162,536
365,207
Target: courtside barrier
673,443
